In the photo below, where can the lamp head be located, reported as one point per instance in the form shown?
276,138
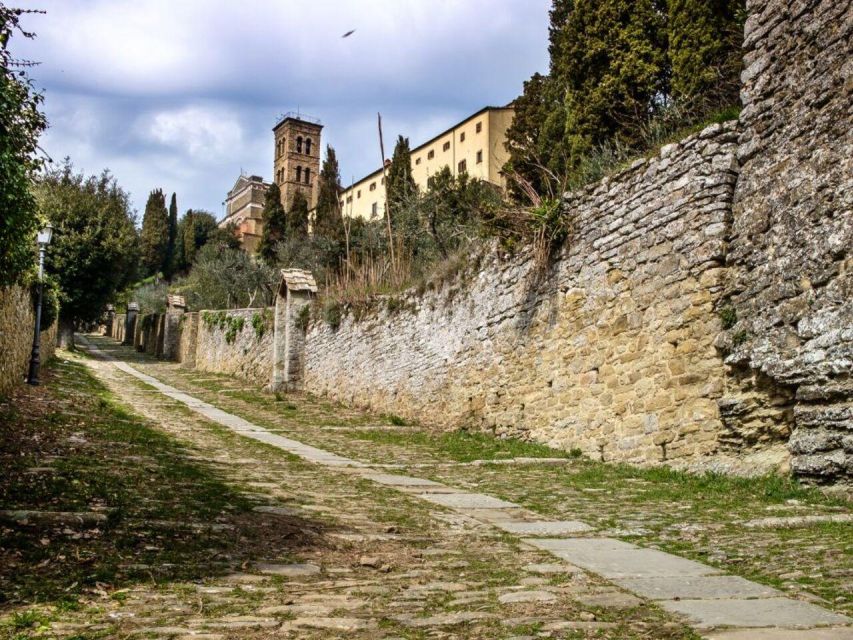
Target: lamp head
45,235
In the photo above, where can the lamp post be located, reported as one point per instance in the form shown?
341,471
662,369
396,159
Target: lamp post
43,240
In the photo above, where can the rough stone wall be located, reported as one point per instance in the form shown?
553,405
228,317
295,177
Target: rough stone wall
117,332
173,323
17,320
613,354
247,355
790,282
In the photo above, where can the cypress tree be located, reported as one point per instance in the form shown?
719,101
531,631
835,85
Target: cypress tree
705,39
170,262
297,217
400,185
154,239
328,222
275,224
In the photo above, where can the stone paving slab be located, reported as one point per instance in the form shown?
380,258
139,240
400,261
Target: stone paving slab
543,528
400,481
769,612
466,500
825,633
693,588
616,559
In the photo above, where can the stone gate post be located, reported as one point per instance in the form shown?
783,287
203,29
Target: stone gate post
172,326
109,321
295,292
130,323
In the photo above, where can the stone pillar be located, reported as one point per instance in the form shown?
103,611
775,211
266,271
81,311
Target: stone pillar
295,293
172,327
130,323
109,320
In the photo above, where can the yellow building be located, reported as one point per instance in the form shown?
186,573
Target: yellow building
474,146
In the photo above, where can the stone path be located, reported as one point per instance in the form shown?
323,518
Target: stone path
703,595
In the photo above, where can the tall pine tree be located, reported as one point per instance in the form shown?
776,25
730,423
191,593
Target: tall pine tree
275,224
170,262
328,222
154,239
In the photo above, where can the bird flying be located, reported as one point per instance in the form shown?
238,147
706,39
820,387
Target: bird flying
348,34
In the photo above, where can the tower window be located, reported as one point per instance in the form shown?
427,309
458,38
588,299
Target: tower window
479,127
480,157
446,146
374,209
462,166
431,155
373,186
299,144
299,170
308,146
358,193
462,137
307,175
417,160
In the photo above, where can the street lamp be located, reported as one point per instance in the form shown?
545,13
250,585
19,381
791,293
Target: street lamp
43,240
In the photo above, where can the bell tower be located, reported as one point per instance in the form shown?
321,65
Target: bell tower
296,163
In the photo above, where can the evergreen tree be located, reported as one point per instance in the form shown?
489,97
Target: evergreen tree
170,262
154,239
705,39
194,231
21,123
95,246
328,222
400,186
297,217
275,224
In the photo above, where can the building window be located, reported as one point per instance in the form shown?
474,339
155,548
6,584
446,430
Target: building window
342,203
307,175
349,199
299,144
374,209
373,186
446,147
479,127
462,137
417,160
480,157
382,181
430,155
308,146
299,172
462,166
358,194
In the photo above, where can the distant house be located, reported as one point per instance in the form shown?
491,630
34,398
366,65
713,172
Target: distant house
243,208
474,146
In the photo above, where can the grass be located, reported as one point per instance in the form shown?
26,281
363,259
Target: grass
91,454
460,446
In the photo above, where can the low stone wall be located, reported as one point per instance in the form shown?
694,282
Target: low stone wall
188,340
237,342
613,354
17,320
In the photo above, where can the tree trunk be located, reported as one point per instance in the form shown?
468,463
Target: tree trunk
66,333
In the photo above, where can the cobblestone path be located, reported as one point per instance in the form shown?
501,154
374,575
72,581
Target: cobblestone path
407,542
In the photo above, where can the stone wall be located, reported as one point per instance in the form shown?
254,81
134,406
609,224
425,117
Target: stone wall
612,354
229,342
188,340
17,318
790,282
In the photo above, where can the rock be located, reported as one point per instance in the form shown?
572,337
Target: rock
526,596
289,570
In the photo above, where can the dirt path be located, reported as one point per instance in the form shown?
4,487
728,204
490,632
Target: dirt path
328,548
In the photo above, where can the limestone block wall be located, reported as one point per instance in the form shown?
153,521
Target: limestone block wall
790,280
117,332
613,354
17,320
238,342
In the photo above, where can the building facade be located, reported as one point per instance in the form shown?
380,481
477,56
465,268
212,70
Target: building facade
474,146
296,161
244,206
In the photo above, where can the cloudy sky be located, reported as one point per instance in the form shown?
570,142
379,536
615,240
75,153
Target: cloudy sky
182,94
